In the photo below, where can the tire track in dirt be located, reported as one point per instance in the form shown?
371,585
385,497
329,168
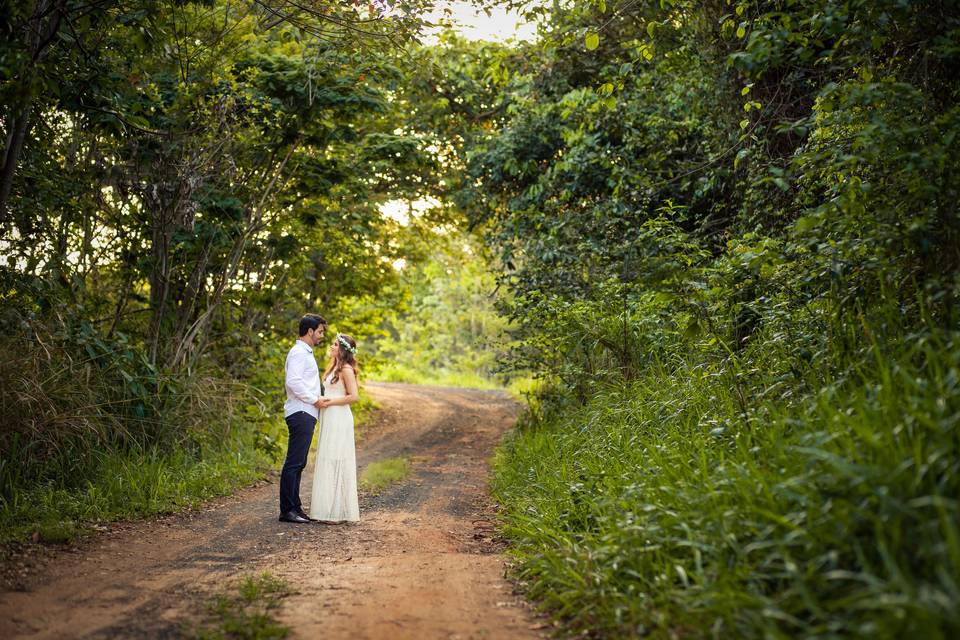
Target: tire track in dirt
423,562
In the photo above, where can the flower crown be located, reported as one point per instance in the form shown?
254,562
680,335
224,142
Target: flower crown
346,345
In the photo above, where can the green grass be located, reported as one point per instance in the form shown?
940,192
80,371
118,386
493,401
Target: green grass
114,484
83,444
379,475
246,611
95,482
827,510
119,485
523,389
398,372
125,485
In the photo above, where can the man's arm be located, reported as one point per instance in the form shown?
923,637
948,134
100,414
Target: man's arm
296,369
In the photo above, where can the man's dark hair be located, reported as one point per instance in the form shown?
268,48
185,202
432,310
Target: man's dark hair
311,321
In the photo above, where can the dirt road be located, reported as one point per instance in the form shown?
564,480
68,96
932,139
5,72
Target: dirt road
422,563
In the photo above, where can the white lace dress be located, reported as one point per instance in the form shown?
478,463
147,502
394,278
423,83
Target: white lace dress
334,495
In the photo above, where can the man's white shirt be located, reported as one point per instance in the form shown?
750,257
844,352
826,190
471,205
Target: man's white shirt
302,380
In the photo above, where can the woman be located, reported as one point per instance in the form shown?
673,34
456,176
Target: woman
334,497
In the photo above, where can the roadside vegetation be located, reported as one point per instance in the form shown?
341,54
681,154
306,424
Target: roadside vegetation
670,504
179,183
727,241
245,611
380,474
445,330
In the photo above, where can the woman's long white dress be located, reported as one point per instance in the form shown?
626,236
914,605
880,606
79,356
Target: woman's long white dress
334,495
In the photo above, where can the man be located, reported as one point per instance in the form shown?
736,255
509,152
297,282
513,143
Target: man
300,411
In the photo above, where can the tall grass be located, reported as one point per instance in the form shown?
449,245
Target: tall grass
705,500
74,453
125,484
400,372
93,433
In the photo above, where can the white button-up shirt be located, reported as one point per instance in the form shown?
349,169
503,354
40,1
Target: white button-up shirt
302,380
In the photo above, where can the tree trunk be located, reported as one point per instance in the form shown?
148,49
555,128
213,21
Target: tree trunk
159,276
38,39
11,155
186,350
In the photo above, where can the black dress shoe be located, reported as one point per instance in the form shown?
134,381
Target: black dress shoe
293,516
304,515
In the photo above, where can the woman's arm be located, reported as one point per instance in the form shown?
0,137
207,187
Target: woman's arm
350,385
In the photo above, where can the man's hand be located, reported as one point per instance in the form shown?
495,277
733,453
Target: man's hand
321,403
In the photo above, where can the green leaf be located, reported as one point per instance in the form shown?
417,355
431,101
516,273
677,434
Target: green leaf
743,153
806,223
592,41
741,31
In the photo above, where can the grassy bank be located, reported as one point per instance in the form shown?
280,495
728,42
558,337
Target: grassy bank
122,483
519,386
128,484
707,500
94,433
399,372
96,439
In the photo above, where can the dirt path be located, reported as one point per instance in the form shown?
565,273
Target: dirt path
422,563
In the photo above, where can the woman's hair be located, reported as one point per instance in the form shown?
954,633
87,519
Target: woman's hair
342,357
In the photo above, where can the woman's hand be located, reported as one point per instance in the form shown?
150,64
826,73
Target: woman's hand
322,403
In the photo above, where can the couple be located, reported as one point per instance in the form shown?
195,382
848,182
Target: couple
334,496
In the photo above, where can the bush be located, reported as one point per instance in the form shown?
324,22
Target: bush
92,433
662,507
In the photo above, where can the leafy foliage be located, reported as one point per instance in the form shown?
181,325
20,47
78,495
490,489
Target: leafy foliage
180,182
444,326
660,508
727,232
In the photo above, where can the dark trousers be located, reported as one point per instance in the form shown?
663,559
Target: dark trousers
300,427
